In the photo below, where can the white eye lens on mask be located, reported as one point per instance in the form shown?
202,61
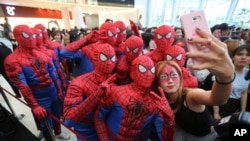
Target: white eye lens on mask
25,35
142,69
168,35
169,58
103,57
159,36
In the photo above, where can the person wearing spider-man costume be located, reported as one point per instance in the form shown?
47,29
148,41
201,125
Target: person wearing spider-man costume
82,48
55,47
131,110
87,90
133,48
164,37
35,76
51,54
121,37
178,55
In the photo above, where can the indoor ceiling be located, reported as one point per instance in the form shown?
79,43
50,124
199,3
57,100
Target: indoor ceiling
93,9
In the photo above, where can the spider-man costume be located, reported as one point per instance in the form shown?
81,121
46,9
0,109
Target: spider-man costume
82,48
121,37
178,55
164,37
51,54
84,92
55,46
44,40
133,48
35,76
132,110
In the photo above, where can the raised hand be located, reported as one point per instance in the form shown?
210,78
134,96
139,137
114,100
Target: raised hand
163,105
216,60
104,87
134,28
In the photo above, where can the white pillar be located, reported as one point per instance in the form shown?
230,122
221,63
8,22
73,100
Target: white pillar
78,17
65,17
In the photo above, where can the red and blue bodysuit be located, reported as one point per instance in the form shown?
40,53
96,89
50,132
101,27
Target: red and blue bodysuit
35,76
84,92
44,41
82,48
131,110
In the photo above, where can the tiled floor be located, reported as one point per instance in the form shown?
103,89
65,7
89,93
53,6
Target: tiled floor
20,108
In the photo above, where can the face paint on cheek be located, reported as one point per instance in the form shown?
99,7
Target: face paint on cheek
168,73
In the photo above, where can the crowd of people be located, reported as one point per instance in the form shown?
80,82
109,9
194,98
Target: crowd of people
119,82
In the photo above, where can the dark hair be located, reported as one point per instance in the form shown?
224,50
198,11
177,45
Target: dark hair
147,37
108,20
73,36
213,28
247,77
240,48
223,26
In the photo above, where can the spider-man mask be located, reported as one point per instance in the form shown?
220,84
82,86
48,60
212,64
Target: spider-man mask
104,59
176,54
164,37
121,31
39,36
142,71
133,48
24,36
43,30
108,33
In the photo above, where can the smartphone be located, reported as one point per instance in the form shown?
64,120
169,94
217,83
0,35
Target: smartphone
189,23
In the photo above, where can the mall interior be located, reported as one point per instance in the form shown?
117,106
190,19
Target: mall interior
88,14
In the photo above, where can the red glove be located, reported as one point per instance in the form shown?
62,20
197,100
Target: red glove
105,86
39,112
163,105
134,28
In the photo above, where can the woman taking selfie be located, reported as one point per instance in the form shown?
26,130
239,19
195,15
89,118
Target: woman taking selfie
189,104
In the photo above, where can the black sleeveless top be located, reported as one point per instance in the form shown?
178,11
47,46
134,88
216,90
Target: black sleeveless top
195,123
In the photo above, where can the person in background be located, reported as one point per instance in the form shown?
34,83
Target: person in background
179,33
5,50
193,121
13,40
238,98
7,27
35,76
224,30
147,39
109,20
216,31
57,36
4,39
245,36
